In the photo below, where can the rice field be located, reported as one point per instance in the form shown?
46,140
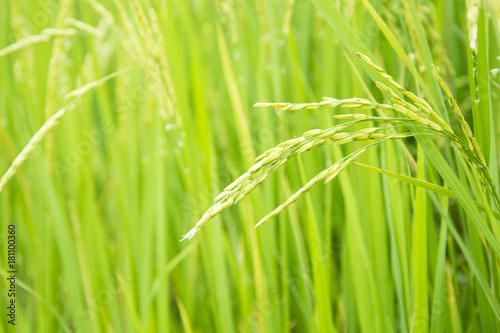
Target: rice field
350,147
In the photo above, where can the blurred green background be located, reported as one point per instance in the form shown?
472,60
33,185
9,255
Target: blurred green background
101,204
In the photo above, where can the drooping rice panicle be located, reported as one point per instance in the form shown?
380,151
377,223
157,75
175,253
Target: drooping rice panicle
429,22
420,105
51,98
98,7
51,123
471,140
483,172
326,175
272,159
45,36
472,21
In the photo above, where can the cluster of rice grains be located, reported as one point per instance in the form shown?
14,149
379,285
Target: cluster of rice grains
418,112
272,159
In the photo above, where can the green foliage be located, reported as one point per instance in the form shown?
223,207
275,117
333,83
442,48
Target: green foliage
122,120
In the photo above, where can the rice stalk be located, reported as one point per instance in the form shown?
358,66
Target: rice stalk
98,7
478,165
144,48
417,109
35,140
419,106
91,85
84,26
473,8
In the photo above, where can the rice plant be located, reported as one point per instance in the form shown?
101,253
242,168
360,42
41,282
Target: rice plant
122,120
417,111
